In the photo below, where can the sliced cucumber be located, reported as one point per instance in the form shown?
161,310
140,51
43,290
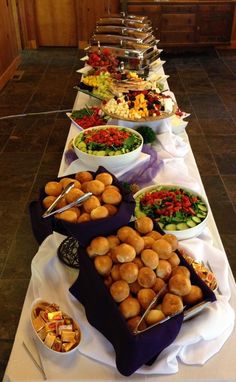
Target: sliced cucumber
190,223
170,227
201,215
196,219
202,207
181,226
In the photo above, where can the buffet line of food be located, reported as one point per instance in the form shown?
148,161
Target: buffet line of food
126,238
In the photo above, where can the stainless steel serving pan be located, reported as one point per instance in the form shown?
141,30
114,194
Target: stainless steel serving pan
132,23
120,39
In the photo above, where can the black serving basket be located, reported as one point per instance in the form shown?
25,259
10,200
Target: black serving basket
131,350
83,232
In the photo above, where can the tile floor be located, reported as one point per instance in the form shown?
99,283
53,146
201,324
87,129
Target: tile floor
31,149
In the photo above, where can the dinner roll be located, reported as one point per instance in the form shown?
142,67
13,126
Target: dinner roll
174,260
111,196
172,239
124,253
154,234
194,296
179,285
124,232
112,187
163,269
137,243
146,277
113,241
133,324
139,262
119,290
112,210
145,297
171,304
148,241
162,248
159,284
91,203
134,287
66,181
95,186
99,213
105,178
115,272
129,307
76,210
62,203
144,225
84,217
154,316
68,215
84,187
83,176
53,188
98,246
150,258
108,281
73,195
181,270
103,264
48,200
129,272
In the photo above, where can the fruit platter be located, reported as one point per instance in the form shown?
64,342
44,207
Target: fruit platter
144,105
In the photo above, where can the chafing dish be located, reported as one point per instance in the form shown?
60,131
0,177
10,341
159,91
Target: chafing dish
119,39
127,22
134,56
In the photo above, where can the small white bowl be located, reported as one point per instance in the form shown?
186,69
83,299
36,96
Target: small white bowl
111,163
41,341
180,234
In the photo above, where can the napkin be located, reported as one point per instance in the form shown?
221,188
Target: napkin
199,339
173,144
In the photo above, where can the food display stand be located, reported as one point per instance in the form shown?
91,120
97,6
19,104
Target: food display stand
202,355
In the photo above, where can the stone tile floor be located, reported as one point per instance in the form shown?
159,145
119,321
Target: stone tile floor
31,149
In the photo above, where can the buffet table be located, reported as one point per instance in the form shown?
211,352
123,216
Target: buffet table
87,365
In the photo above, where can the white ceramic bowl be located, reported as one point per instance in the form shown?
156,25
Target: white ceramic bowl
34,305
111,163
180,234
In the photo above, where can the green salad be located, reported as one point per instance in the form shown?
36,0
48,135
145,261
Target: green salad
173,208
108,141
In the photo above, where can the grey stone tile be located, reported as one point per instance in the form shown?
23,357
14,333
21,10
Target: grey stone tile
230,186
18,262
5,350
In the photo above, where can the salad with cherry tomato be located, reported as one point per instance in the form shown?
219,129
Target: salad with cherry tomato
108,141
173,208
89,117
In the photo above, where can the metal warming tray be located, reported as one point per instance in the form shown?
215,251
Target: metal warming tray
120,39
137,57
145,24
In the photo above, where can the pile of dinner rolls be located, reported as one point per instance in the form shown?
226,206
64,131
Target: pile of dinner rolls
136,264
103,203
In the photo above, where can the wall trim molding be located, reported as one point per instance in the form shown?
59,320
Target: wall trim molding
7,75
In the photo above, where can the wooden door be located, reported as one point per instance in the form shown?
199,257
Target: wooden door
9,44
56,22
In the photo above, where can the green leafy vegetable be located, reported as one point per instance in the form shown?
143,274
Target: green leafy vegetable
147,133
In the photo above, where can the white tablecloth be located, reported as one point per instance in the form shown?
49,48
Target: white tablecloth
78,367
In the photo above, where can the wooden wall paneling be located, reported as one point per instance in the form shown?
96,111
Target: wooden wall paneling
9,50
56,23
88,12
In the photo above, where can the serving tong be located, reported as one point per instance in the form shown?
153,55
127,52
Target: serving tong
51,211
188,313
